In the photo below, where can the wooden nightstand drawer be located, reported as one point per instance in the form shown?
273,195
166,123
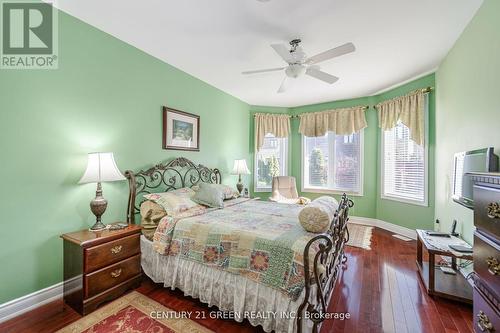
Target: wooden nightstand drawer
100,266
110,276
109,253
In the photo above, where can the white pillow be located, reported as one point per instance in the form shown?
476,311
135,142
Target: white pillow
318,215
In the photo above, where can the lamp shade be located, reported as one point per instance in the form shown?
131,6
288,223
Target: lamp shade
240,168
101,167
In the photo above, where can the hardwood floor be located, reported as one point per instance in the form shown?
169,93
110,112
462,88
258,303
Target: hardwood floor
380,289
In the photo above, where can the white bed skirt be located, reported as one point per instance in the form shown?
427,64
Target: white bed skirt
262,305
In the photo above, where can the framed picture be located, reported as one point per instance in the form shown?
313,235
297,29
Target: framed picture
181,130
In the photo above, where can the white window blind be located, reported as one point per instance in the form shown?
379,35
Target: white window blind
332,163
270,161
403,166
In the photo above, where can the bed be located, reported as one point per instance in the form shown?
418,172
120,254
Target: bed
285,284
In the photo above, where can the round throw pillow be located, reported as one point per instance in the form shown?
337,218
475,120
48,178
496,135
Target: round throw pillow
317,216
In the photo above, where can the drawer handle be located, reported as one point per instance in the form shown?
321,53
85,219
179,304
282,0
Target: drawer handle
116,273
493,266
493,210
117,249
483,322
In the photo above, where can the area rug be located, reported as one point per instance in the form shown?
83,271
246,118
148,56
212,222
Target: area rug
134,312
359,236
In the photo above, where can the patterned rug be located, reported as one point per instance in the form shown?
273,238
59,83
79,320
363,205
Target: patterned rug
359,236
134,312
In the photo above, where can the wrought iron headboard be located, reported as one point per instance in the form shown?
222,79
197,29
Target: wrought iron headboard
176,174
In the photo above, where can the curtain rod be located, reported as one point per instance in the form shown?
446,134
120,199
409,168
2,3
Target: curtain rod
425,90
366,107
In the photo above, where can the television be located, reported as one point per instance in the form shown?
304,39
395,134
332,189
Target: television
481,160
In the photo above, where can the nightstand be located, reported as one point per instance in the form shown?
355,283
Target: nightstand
436,282
100,266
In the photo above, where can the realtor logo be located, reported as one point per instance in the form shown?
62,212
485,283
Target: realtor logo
29,35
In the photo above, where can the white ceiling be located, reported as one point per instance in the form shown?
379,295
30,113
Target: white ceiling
214,40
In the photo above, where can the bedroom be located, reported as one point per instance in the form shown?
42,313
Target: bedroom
117,65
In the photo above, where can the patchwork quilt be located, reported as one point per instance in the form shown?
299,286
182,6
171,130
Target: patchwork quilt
260,240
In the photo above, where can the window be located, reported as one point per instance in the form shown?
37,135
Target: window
333,163
270,161
404,167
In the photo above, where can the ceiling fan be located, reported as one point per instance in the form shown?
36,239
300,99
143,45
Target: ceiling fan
299,64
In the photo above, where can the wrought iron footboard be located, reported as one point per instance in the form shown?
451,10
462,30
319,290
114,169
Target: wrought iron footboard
325,268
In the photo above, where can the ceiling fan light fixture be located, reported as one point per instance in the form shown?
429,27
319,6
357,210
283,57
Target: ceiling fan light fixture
298,55
299,64
295,70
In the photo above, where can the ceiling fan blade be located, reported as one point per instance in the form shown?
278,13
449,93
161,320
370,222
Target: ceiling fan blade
332,53
285,84
283,52
320,75
264,70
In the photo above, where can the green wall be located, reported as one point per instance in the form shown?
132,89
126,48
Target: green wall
105,96
468,114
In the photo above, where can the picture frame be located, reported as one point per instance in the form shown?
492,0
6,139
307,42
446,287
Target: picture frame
181,130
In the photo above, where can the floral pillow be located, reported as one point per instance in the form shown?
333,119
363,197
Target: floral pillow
318,215
174,202
183,192
229,192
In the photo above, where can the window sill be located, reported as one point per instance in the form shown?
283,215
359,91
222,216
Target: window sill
262,190
326,191
406,201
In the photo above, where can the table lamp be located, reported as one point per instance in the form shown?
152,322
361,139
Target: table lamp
101,167
240,168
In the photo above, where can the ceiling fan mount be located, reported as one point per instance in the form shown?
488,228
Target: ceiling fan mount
299,64
294,43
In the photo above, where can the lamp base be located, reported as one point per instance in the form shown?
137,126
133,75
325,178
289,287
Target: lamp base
98,226
239,187
98,206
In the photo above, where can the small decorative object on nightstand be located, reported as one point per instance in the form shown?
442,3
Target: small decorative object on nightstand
240,168
100,266
101,167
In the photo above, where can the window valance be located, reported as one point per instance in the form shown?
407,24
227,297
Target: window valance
408,109
269,123
344,121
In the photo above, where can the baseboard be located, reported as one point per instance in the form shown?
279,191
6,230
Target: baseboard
29,302
397,229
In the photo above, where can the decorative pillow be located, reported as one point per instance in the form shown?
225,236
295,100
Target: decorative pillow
229,192
183,192
151,214
211,195
172,202
317,216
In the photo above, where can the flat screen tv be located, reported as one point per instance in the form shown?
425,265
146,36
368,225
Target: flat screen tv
481,160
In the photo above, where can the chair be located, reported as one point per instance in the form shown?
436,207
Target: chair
285,191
